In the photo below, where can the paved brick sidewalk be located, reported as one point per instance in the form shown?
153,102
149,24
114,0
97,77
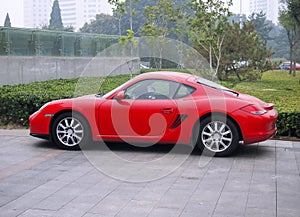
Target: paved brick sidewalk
37,179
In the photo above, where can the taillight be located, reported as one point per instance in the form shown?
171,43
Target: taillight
254,109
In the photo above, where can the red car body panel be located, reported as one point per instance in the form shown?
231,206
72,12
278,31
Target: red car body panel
164,121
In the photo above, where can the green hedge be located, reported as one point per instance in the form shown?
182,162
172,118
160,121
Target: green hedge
288,124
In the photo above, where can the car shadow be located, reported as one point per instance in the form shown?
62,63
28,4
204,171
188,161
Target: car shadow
244,151
253,151
45,144
139,147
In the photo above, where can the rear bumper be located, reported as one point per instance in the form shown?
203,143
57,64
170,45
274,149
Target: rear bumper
258,128
259,137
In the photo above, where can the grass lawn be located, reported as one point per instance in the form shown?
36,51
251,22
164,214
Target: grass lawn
276,86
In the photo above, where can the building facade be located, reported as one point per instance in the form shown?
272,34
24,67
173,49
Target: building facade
73,12
269,7
37,13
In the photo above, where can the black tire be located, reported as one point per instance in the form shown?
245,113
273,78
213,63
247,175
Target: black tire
70,131
218,136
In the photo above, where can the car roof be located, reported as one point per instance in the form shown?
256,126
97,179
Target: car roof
165,75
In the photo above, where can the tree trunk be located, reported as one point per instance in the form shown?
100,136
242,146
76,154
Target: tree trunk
238,75
291,58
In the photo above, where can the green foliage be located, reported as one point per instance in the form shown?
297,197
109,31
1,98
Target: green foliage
288,124
103,24
158,25
290,19
55,17
159,18
262,26
7,22
275,86
208,27
243,50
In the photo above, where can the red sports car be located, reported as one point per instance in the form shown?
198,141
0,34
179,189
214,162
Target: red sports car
159,107
286,66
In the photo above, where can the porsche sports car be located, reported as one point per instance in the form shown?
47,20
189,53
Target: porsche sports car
159,107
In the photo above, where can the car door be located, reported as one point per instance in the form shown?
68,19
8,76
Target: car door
147,110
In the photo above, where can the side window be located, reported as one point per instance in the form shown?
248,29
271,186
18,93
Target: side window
152,89
137,89
183,91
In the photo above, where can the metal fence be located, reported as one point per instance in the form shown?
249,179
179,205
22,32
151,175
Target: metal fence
33,42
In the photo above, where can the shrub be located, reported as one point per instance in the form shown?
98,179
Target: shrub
288,124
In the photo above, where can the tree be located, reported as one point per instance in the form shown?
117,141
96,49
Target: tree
128,40
121,18
7,21
290,19
243,50
262,26
160,18
103,24
125,7
55,17
279,42
208,26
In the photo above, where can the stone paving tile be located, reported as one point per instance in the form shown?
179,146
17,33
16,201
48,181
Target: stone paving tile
137,208
260,180
37,213
261,212
231,204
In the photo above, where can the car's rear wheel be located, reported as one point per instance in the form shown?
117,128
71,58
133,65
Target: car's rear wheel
70,131
218,136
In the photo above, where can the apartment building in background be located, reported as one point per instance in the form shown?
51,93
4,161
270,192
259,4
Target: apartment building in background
73,12
269,7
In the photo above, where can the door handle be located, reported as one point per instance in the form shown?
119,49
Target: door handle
167,110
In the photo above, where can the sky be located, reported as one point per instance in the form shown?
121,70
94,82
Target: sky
15,10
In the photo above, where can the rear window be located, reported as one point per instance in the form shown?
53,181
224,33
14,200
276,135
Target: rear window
210,84
214,85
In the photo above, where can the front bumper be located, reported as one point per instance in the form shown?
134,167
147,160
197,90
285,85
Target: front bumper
40,125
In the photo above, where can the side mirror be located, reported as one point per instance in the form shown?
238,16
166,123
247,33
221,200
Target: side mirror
120,95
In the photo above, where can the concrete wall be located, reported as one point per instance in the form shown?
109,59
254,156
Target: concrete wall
20,70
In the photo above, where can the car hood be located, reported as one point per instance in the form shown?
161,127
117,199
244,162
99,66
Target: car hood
71,103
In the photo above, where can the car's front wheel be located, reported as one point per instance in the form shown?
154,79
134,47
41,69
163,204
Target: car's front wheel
70,131
218,136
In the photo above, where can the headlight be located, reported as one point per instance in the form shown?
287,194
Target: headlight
254,109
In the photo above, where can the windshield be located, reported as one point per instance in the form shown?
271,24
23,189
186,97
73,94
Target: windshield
105,96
